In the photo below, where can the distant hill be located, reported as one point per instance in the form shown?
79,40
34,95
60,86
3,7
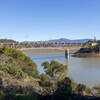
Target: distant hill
7,41
64,40
68,40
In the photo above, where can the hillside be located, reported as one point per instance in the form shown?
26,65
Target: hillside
20,80
64,40
68,40
14,60
89,49
7,41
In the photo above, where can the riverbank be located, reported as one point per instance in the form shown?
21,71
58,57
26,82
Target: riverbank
86,55
50,50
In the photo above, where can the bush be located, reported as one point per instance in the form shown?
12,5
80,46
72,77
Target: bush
2,94
54,70
80,88
44,77
15,71
97,88
65,85
5,49
27,65
15,58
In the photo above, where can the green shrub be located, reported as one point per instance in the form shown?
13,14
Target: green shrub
80,88
2,73
5,49
88,90
65,85
55,70
2,94
23,61
14,71
22,97
97,88
16,60
44,77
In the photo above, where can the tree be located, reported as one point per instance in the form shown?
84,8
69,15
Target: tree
5,49
54,73
54,70
80,88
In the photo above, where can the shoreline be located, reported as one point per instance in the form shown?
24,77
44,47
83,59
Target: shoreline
89,55
50,50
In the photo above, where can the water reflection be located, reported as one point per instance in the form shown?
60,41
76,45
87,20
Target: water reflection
85,70
82,70
91,63
67,62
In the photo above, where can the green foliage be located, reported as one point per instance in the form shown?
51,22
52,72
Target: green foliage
19,62
88,90
22,97
2,73
15,71
17,66
34,95
2,94
5,49
55,70
7,41
97,88
54,73
44,81
30,67
74,85
19,95
44,77
80,88
65,85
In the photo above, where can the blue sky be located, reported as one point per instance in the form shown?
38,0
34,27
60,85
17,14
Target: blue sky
34,20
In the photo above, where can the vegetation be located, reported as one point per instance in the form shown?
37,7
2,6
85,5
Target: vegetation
7,41
89,49
20,79
15,44
4,49
14,61
97,88
54,70
54,73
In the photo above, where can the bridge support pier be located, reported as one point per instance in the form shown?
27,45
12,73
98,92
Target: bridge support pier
67,54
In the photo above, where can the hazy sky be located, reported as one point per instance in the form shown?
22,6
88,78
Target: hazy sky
49,19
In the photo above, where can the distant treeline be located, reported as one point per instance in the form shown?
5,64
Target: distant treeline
7,41
14,44
41,44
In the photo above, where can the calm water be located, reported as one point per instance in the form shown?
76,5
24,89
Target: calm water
82,70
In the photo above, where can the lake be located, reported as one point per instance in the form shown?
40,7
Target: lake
81,70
